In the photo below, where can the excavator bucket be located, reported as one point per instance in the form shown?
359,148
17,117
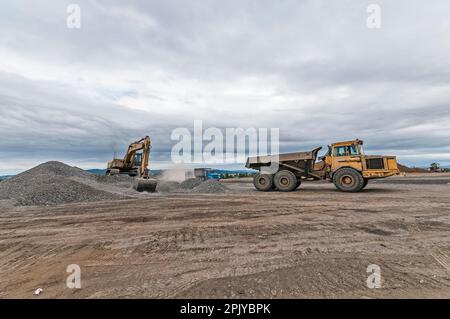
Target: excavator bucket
145,184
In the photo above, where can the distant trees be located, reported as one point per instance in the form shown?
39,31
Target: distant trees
434,167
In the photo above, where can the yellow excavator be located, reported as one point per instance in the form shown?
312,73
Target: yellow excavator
135,164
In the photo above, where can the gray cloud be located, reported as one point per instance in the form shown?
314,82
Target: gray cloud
311,68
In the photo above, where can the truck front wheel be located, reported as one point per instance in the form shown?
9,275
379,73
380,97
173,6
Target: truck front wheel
263,182
285,181
348,180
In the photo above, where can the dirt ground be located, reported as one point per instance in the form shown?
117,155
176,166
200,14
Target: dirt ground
311,243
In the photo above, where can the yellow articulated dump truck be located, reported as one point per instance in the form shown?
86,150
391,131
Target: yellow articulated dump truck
345,164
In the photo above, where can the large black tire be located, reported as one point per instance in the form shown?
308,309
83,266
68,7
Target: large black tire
263,182
285,181
348,180
366,181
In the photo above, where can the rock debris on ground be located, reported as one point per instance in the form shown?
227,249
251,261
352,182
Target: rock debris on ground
167,186
192,185
54,183
210,186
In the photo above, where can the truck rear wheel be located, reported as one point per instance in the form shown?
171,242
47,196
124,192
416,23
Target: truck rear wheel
348,180
285,181
263,182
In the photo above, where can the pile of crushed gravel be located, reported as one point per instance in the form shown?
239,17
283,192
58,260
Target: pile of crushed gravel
210,186
167,187
54,183
190,183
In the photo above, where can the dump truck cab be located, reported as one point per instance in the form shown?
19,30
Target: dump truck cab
350,154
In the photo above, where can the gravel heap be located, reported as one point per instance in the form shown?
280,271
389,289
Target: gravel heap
53,183
123,181
190,183
167,187
210,186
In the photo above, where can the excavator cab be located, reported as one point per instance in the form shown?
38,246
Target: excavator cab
137,159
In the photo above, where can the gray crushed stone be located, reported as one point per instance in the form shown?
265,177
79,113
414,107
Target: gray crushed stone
210,186
53,183
190,183
167,186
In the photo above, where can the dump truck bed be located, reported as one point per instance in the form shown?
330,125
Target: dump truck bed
257,161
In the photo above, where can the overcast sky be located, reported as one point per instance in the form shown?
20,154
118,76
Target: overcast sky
311,68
